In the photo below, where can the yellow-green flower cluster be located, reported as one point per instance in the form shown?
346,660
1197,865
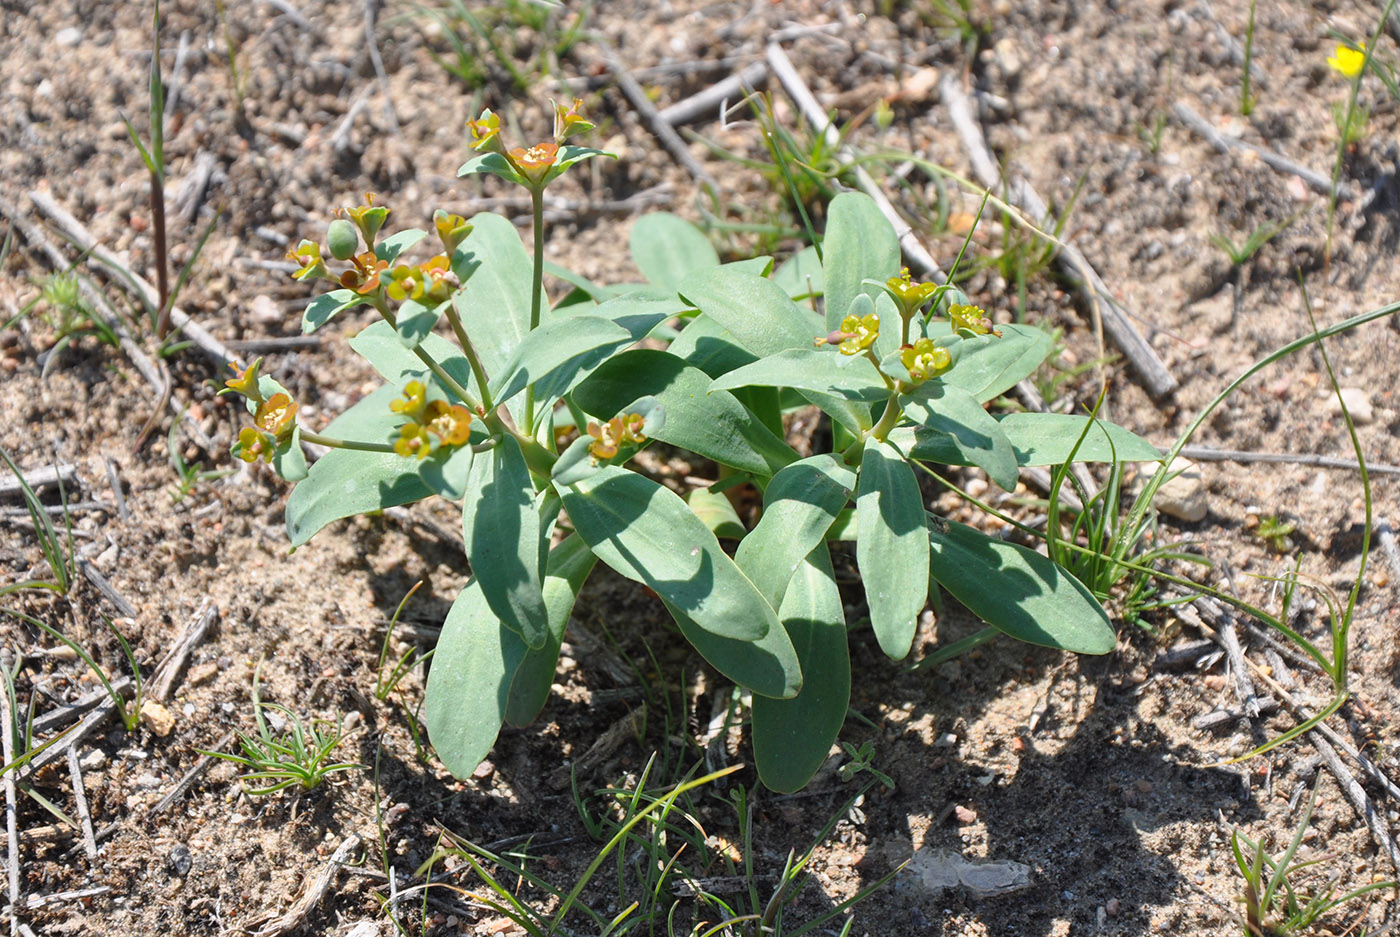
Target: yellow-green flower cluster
426,283
924,360
971,319
909,294
611,435
431,424
856,334
274,420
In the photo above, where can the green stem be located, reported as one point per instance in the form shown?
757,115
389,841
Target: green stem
334,443
888,419
536,287
437,370
473,359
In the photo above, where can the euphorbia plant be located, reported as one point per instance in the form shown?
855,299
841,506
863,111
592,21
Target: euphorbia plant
532,414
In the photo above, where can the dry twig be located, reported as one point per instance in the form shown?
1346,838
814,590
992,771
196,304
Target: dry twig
704,103
664,132
7,755
1314,180
75,772
296,915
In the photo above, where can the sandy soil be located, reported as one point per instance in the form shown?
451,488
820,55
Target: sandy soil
1100,775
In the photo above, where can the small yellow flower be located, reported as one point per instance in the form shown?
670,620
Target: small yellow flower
859,334
369,218
451,229
486,132
363,277
449,423
276,415
535,162
569,121
971,318
924,360
415,401
245,382
1348,61
608,437
308,255
413,441
254,444
910,295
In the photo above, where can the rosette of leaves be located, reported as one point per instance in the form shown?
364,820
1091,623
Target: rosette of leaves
766,614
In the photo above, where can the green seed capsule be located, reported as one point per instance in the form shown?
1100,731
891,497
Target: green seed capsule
343,239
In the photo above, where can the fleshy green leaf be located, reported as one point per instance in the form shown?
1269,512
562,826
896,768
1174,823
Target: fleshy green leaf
989,366
1050,438
892,546
707,345
859,244
495,303
416,320
559,350
569,565
667,249
801,274
799,505
757,312
950,416
502,531
715,425
1017,590
647,534
792,737
494,163
716,513
380,346
637,311
822,371
327,306
393,246
469,683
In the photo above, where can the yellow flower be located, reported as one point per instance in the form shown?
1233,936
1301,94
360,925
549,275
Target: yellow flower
254,444
451,229
413,441
363,277
535,162
369,218
276,415
608,437
486,132
245,382
859,334
924,360
971,319
909,294
450,423
415,401
1348,61
569,121
308,255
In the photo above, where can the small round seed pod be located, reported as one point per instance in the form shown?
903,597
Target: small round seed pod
342,239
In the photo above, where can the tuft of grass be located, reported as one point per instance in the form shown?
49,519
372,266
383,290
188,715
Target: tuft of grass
1266,232
59,552
1247,96
188,477
1274,904
299,757
523,39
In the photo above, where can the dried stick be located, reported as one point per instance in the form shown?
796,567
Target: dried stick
1314,180
702,103
1359,801
109,591
7,751
663,131
915,253
79,235
75,771
340,140
1156,379
315,892
123,512
1209,454
64,472
52,720
173,665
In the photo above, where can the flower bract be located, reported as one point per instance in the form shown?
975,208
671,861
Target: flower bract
369,218
449,424
308,255
486,132
245,382
276,415
909,294
569,121
254,444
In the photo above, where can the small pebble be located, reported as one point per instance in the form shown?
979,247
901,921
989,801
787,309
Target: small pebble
1112,906
160,720
201,674
1144,786
69,37
148,781
180,860
483,771
93,760
965,815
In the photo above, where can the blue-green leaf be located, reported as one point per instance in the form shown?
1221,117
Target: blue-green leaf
494,163
667,249
859,244
891,546
380,346
416,320
569,565
394,245
799,505
952,417
502,531
327,306
809,369
989,366
469,683
559,350
715,425
792,737
801,276
495,302
757,312
1050,439
648,534
1017,590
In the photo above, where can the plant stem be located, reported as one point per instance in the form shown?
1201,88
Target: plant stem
473,359
437,370
332,442
887,419
536,288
